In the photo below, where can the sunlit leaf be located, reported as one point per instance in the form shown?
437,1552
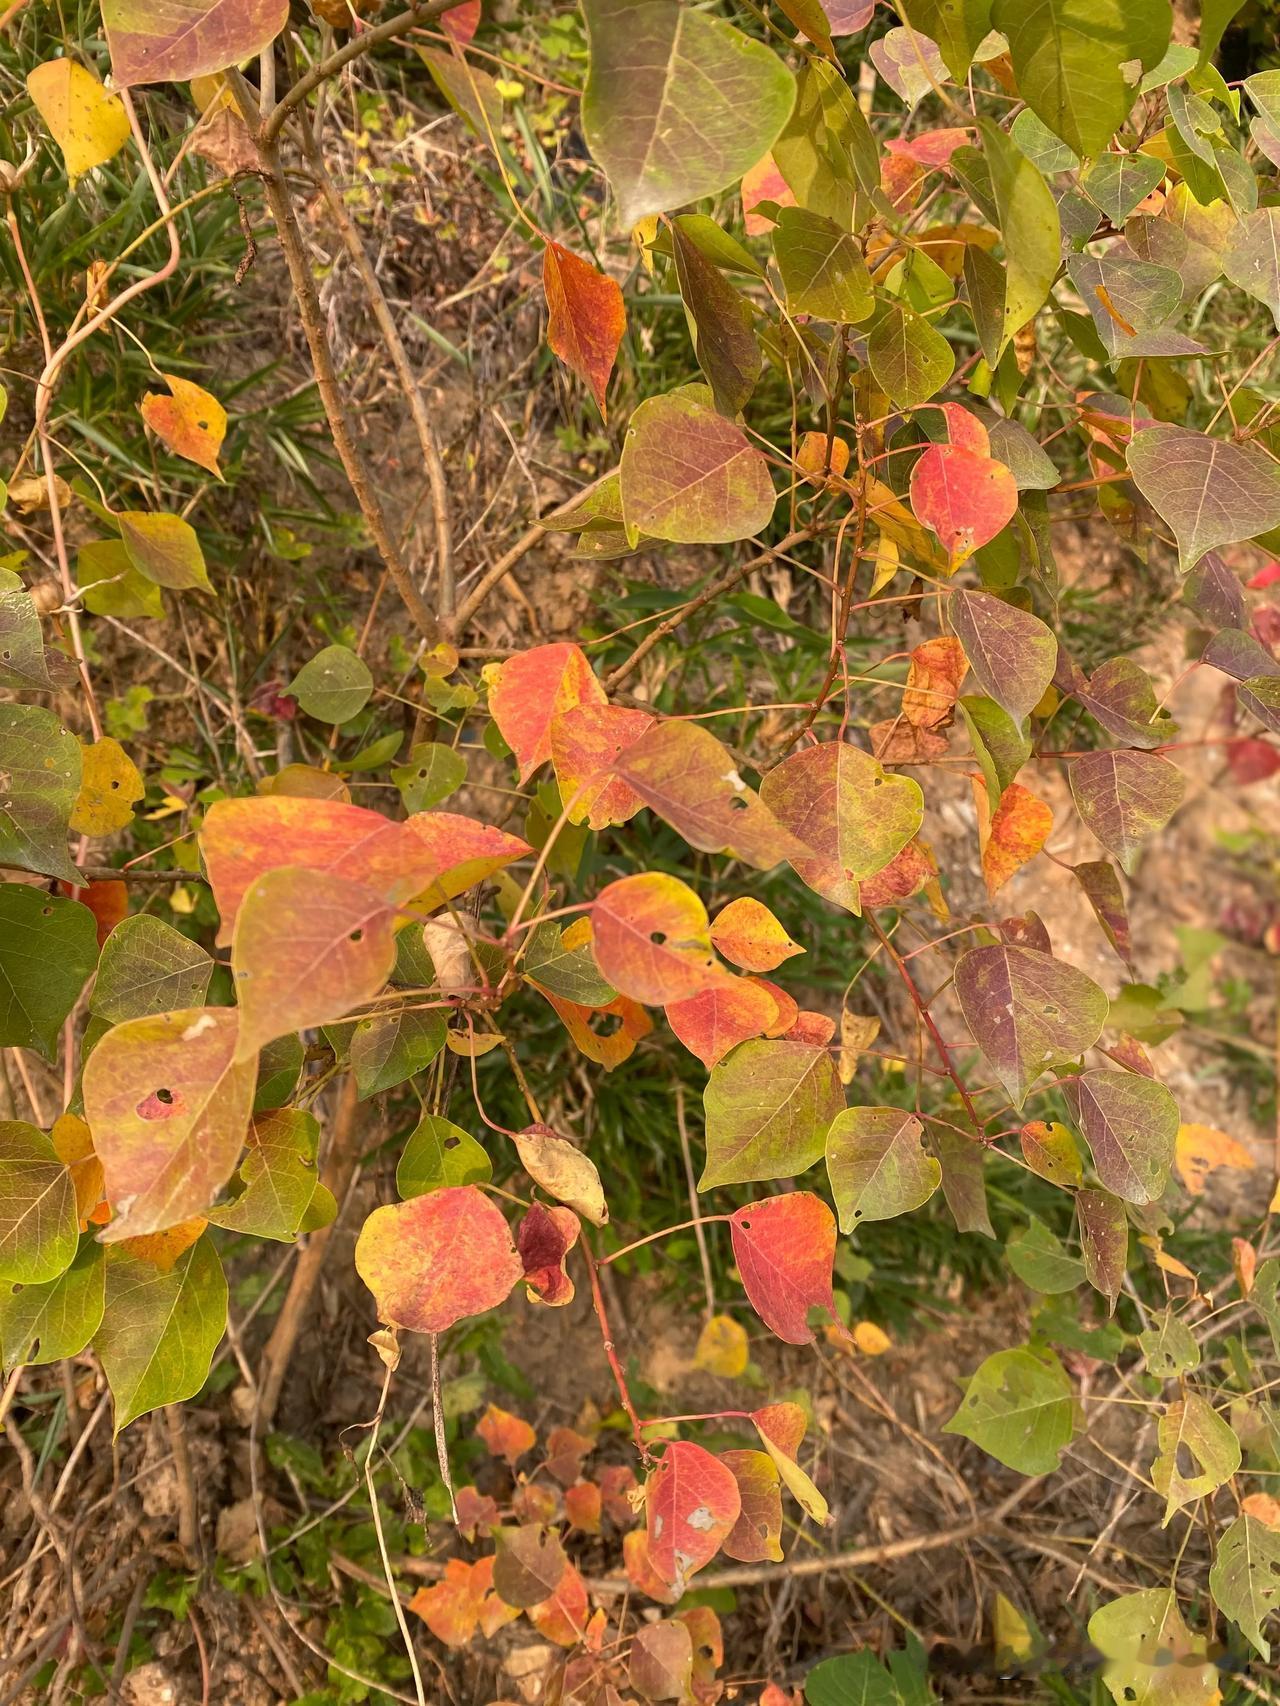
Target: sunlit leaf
877,1165
784,1248
691,1504
586,318
1125,798
964,497
689,475
768,1108
110,787
168,1101
439,1153
1019,1406
1020,826
48,948
1200,1149
279,1189
1210,491
585,744
1146,1644
1028,220
1170,1347
437,1259
40,762
39,1222
781,1428
934,673
1130,1124
563,1171
189,421
89,125
464,1600
160,1328
822,268
44,1323
507,1436
1198,1452
714,1021
1050,1150
678,104
651,939
151,42
747,933
957,26
1027,1012
164,549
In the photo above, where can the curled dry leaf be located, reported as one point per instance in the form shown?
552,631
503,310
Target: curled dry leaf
563,1171
934,675
544,1239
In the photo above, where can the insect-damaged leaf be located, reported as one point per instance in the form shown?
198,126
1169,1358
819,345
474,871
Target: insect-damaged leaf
40,762
850,817
110,787
678,105
1131,1124
1011,652
168,1101
1201,1149
909,358
784,1247
585,744
691,1504
716,1020
586,318
1210,491
48,947
1027,1012
877,1165
308,947
1050,1150
39,1223
160,1328
1020,1407
1245,1577
440,1153
189,421
768,1107
1125,797
822,269
437,1259
651,939
964,497
690,476
453,1608
152,41
936,669
690,779
563,1171
89,125
1071,62
1198,1453
1020,826
1104,1241
44,1323
1148,1647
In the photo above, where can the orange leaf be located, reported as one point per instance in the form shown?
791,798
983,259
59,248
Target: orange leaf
712,1022
608,1035
933,681
764,182
582,1506
108,901
815,1028
73,1145
585,743
651,939
190,423
962,496
463,853
1200,1149
530,689
1020,827
563,1617
436,1259
162,1249
747,933
640,1570
462,21
505,1435
586,318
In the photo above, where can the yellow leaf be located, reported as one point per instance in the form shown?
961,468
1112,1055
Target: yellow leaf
857,1032
191,423
1011,1635
794,1479
888,562
162,1249
642,235
110,786
722,1347
871,1340
88,124
1202,1148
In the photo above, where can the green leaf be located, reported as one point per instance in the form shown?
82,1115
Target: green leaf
1019,1406
160,1329
147,967
678,104
1252,257
768,1108
720,323
40,763
823,272
1047,153
910,360
1245,1577
690,476
1028,221
1069,58
39,1225
44,1323
1152,1657
958,26
1130,1124
851,1679
279,1067
279,1193
387,1049
48,947
1210,491
1027,1012
472,93
877,1165
440,1153
1000,745
1118,182
715,244
112,586
22,665
432,772
164,549
570,973
333,686
1198,1453
827,153
964,1184
1125,797
1041,1260
1169,1347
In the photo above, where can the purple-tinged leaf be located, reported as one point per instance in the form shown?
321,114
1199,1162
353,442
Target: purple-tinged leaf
1101,885
1121,697
1130,302
1011,652
1130,1124
1104,1241
1027,1012
909,63
1213,591
1209,491
690,476
964,1184
1252,257
1125,797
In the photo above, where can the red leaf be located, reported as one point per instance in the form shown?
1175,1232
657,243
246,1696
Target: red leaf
563,1617
462,852
785,1247
847,17
438,1258
905,875
964,497
651,940
462,22
544,1239
530,689
108,901
639,1567
1265,577
692,1503
1251,761
815,1028
586,318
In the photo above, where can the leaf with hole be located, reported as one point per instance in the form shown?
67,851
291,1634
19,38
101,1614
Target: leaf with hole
651,940
715,1021
1027,1012
438,1153
189,421
877,1165
1245,1577
1198,1453
691,1505
110,787
1124,798
1020,1407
